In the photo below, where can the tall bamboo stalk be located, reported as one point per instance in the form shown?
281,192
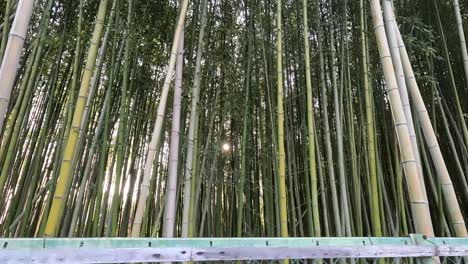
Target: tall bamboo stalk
65,175
123,121
326,123
245,125
280,117
339,132
310,125
376,224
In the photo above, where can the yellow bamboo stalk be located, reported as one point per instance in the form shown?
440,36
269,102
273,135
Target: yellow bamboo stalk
65,174
281,151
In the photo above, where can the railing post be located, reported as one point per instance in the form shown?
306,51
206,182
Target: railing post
420,240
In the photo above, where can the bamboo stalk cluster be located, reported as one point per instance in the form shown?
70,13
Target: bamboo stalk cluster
364,135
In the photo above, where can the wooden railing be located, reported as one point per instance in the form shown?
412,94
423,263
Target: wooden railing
138,250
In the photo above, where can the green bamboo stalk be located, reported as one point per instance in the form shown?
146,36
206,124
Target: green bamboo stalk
376,224
310,124
280,117
123,116
245,126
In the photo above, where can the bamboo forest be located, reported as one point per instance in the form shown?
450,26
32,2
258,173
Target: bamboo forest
233,118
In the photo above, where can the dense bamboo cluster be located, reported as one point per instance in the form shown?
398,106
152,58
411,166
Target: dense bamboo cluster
233,118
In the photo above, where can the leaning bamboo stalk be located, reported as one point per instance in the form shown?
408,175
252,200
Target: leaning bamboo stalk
12,54
157,131
419,206
66,173
390,25
431,139
84,121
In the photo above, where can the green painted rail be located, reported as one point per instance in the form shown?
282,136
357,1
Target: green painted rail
134,250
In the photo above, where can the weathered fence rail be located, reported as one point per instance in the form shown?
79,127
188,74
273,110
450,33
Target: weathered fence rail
135,250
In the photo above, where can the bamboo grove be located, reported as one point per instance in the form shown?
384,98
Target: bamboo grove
209,118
